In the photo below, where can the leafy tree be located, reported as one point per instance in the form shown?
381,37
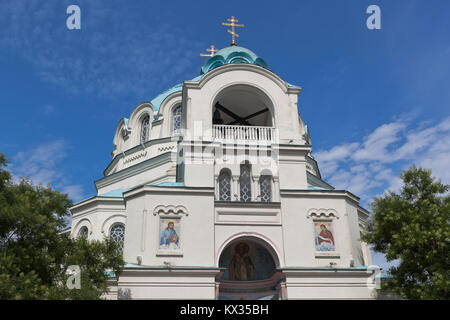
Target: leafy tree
414,227
35,253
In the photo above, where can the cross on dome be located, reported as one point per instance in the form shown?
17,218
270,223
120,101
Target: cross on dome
232,24
211,51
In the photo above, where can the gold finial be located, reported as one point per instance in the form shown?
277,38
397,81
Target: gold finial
232,24
212,51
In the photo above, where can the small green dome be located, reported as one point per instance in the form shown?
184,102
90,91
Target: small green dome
232,54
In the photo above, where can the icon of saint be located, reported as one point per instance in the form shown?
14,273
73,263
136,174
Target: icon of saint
169,237
325,239
241,266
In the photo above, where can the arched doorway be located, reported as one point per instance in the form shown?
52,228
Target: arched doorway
249,271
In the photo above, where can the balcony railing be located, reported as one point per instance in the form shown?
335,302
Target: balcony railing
230,132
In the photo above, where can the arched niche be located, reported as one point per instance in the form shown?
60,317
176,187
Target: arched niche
250,270
247,260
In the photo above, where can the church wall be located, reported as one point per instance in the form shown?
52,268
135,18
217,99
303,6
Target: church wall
97,215
199,164
354,232
293,175
292,166
299,234
194,209
165,284
137,175
156,130
320,284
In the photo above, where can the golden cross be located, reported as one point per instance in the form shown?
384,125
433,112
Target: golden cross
212,51
232,25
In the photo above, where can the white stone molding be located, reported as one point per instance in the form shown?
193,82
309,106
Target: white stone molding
322,213
144,228
256,196
135,122
235,188
110,221
170,211
245,67
276,189
85,222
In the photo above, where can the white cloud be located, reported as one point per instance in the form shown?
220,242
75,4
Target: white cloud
338,152
375,145
41,165
330,158
372,166
112,54
75,192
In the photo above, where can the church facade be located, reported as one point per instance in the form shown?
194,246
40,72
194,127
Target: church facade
213,193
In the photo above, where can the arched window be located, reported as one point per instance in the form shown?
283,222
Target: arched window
265,188
245,182
177,120
83,233
117,234
145,129
225,185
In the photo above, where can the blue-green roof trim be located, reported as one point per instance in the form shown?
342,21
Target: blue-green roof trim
170,184
158,100
317,188
117,193
233,54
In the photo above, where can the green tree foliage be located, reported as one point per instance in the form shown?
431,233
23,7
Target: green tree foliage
413,227
35,253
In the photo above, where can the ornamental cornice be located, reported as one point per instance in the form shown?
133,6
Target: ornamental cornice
170,210
322,213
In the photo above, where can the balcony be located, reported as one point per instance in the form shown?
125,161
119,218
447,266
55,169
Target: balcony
243,133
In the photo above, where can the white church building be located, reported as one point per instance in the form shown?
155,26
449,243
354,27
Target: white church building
213,193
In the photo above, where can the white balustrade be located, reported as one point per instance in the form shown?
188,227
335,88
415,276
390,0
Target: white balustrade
230,132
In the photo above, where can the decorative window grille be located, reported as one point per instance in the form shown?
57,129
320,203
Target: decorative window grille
265,188
224,186
245,182
117,234
145,129
177,120
83,233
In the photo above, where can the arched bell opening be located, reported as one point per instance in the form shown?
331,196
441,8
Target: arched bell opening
249,271
243,105
243,112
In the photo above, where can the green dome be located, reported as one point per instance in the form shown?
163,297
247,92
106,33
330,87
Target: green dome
232,54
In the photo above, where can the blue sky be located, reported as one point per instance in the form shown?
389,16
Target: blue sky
376,101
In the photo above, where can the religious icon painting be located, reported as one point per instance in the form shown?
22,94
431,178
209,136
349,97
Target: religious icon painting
246,261
169,234
324,238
